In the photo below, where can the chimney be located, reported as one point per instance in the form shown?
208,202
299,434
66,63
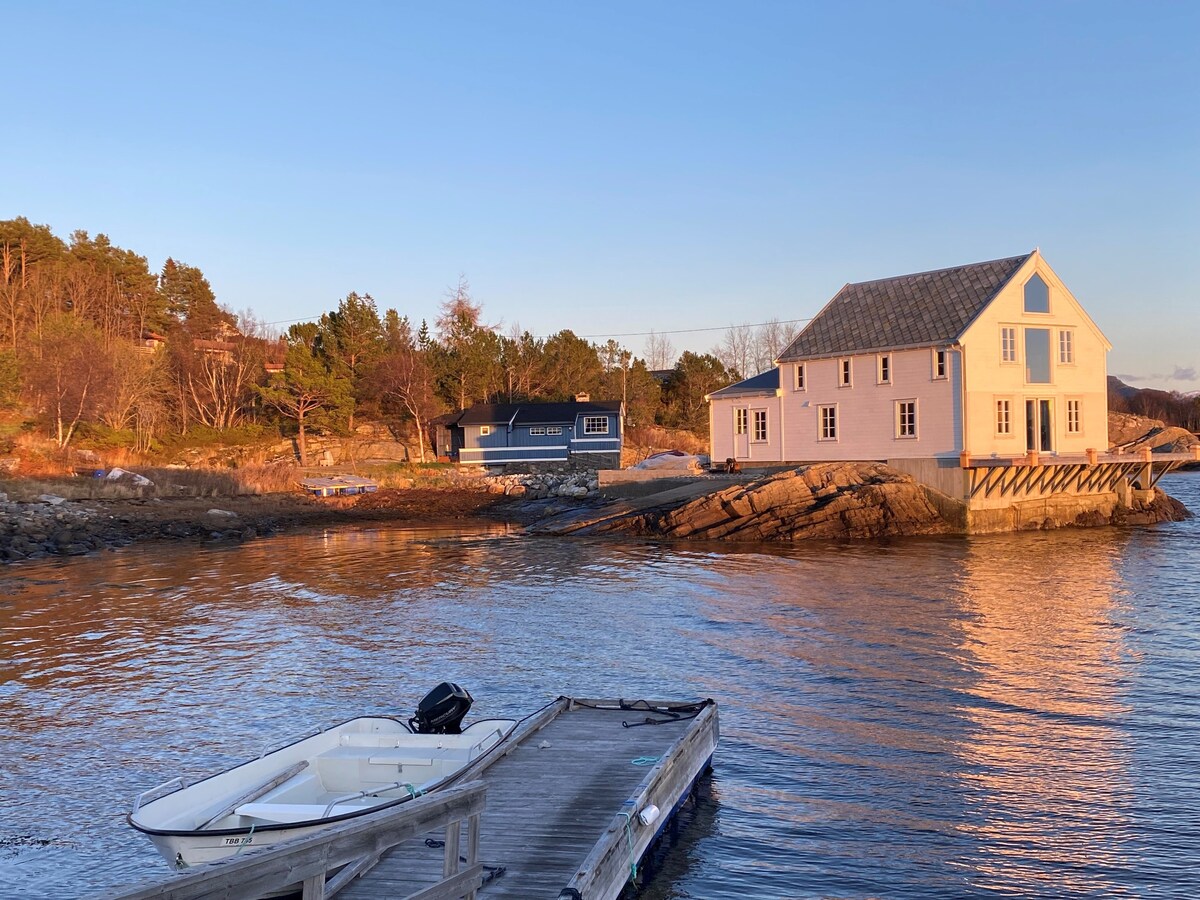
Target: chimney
583,397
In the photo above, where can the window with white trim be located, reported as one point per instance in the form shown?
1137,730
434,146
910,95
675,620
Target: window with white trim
1008,344
553,429
939,365
1066,347
485,430
885,368
1003,417
537,429
760,426
845,373
739,421
595,424
1074,416
827,421
799,384
906,418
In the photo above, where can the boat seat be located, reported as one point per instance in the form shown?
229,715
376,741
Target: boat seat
283,813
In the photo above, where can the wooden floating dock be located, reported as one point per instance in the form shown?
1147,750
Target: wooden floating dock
337,485
564,809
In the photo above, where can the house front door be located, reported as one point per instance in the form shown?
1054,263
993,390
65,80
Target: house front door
1039,425
741,432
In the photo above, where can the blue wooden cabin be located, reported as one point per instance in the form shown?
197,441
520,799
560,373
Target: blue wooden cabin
496,434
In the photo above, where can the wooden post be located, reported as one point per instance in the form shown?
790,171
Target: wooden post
450,863
1145,454
314,888
1031,458
472,846
964,460
1092,455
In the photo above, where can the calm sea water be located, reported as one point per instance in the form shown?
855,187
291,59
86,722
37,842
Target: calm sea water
1013,715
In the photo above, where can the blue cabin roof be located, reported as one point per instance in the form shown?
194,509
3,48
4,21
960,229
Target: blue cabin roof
535,413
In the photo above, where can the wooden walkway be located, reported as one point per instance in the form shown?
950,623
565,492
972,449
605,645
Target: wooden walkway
574,799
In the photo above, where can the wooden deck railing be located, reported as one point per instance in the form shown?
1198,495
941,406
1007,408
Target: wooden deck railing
355,846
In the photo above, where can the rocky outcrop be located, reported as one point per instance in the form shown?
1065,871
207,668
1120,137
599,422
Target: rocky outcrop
1131,433
828,500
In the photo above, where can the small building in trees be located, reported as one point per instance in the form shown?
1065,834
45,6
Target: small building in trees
582,431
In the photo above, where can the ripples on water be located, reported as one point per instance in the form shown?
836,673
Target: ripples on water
1011,715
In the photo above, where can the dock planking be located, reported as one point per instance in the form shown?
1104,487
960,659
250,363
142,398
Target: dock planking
556,795
566,807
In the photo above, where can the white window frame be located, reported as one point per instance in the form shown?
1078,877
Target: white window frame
1008,349
553,429
740,420
1074,416
798,382
883,368
485,430
941,360
825,433
590,425
1066,347
1003,416
537,429
760,427
845,373
899,422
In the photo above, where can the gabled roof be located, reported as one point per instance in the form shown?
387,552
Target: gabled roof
535,413
924,309
763,383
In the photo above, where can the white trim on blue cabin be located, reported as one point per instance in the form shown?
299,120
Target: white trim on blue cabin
579,452
503,449
611,440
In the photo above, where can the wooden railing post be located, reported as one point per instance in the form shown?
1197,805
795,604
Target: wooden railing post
472,846
450,864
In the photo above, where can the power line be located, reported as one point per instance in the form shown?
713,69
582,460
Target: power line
624,334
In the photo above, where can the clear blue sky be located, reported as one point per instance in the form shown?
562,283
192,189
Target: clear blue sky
620,167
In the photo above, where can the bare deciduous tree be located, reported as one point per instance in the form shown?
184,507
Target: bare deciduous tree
660,352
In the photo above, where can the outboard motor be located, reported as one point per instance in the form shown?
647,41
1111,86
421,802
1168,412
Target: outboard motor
442,710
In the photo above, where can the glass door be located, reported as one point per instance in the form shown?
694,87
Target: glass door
1039,425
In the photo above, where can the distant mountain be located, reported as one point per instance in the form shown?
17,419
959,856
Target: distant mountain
1171,407
1119,388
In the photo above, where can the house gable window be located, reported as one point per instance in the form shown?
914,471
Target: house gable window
1004,417
1066,347
845,373
885,368
1037,355
1037,295
799,383
1074,416
485,430
939,365
739,421
595,424
760,426
827,422
1008,344
906,418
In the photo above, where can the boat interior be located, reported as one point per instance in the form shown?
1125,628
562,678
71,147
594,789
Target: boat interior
359,765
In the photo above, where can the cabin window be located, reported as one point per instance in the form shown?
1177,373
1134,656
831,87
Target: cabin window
537,429
739,421
1074,416
760,425
1003,417
844,373
485,430
1008,345
1037,355
939,364
1066,347
1037,295
885,369
906,418
799,377
553,429
595,424
827,418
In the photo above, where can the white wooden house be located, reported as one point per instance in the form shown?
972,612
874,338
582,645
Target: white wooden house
935,373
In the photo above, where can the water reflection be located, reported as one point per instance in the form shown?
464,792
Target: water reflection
1046,758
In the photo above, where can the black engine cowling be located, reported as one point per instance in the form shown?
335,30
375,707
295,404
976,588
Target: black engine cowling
442,710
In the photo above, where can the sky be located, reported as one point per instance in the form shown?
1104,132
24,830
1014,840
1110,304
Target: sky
619,168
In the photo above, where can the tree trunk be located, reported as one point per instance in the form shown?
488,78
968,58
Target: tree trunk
300,440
